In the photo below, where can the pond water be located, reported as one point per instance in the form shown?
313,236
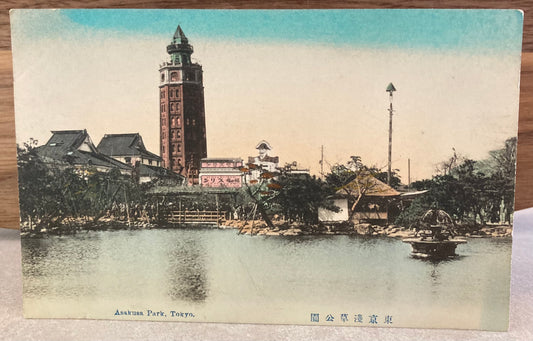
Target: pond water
218,275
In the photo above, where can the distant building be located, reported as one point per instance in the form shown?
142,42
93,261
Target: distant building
182,113
128,148
75,148
163,176
373,207
294,169
221,172
329,216
263,160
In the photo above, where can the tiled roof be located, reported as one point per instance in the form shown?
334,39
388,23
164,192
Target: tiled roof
64,147
367,183
125,145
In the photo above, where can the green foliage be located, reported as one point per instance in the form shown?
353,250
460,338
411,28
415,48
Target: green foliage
300,196
48,194
38,196
470,191
410,216
341,175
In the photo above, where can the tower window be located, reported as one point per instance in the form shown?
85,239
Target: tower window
174,77
187,121
162,93
193,122
171,93
162,77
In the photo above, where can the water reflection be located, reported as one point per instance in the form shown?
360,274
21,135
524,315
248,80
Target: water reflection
59,266
33,250
209,268
187,275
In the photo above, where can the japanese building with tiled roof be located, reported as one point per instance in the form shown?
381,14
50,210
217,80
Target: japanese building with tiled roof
75,148
128,148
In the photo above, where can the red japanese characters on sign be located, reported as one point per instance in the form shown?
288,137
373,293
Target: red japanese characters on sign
233,181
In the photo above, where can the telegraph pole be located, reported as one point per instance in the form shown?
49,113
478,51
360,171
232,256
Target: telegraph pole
390,90
408,174
322,161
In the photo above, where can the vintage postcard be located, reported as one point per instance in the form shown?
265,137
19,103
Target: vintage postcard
319,167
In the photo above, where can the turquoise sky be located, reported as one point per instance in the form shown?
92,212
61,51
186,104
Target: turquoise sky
489,30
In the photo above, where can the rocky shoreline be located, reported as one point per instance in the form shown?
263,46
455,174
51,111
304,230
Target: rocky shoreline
258,227
71,226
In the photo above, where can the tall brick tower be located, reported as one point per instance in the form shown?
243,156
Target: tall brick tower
182,111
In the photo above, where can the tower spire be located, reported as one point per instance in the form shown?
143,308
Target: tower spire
179,36
179,49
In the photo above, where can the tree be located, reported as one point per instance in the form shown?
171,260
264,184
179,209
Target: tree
51,193
259,190
355,180
472,191
445,167
37,195
504,175
47,194
107,190
299,196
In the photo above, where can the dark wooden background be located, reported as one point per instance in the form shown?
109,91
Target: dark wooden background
8,167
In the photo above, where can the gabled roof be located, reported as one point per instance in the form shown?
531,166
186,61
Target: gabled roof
263,145
65,140
75,147
369,185
125,145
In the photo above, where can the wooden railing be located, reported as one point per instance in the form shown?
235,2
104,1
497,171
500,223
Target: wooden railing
194,217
